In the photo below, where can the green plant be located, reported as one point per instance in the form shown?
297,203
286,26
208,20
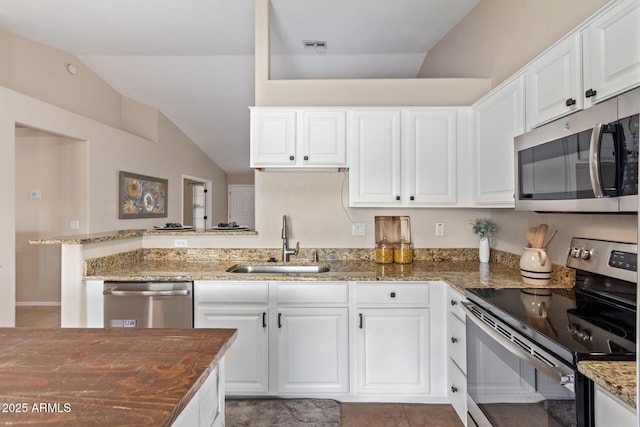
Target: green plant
483,228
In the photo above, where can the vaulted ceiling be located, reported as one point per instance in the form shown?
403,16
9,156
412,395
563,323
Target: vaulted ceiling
194,59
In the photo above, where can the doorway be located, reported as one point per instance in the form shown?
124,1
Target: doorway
242,205
51,199
196,202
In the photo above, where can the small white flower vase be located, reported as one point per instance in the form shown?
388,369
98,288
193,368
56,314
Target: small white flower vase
485,252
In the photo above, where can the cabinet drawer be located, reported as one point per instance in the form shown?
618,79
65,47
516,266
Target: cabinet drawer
454,303
456,341
393,295
225,292
313,293
457,391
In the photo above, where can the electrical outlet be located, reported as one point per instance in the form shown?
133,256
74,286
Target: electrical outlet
74,224
357,229
36,195
180,243
439,229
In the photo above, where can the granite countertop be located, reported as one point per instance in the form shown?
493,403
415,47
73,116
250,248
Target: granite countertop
104,376
458,274
619,378
84,239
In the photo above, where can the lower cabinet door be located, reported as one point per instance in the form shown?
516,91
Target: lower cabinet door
247,361
393,351
312,346
457,390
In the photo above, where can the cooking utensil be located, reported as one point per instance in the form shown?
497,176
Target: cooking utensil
541,233
550,239
531,235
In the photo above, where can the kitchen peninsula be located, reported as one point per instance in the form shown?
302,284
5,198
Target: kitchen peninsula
113,376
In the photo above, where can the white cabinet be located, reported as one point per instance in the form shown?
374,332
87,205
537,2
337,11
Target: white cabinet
392,341
611,49
429,164
312,347
554,86
457,354
403,157
298,138
242,306
206,407
611,411
498,119
374,163
310,351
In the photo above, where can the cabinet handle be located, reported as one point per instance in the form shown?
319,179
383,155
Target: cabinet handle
279,320
590,92
264,320
397,197
392,295
412,198
569,102
454,302
360,325
306,157
454,389
454,340
291,158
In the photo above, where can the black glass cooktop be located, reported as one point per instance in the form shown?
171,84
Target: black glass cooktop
571,323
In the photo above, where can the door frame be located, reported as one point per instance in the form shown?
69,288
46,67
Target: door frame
208,209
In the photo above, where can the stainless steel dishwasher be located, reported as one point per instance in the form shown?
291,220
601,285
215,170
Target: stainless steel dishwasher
148,304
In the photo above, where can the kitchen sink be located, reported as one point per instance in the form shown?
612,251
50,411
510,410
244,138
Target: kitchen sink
278,268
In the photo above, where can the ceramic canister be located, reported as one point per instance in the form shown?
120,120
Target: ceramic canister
535,266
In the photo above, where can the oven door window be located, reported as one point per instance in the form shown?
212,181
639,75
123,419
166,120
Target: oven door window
559,169
508,391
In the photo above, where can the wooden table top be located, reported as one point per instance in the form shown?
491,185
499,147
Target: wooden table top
104,377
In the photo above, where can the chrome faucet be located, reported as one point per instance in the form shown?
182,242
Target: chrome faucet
286,252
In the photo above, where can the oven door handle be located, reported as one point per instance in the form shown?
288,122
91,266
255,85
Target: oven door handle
594,160
559,373
176,293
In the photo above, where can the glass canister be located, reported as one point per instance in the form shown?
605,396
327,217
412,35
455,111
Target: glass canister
384,253
387,230
403,253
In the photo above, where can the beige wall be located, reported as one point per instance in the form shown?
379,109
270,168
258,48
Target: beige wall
498,37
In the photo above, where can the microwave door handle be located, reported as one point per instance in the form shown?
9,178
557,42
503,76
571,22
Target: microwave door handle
594,160
564,378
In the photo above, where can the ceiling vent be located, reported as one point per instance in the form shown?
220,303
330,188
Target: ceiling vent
319,46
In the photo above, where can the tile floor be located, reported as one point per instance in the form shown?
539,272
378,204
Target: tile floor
353,414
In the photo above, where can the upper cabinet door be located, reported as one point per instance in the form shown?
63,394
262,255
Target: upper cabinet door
554,83
429,157
611,46
324,138
374,177
498,119
273,138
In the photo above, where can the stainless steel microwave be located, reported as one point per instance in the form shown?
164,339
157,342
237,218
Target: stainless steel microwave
586,162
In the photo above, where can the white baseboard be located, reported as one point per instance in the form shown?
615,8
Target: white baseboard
38,304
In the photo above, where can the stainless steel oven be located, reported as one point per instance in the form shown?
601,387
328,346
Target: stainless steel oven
148,304
524,345
586,162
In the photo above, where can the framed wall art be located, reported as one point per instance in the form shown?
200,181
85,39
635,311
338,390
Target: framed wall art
142,196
